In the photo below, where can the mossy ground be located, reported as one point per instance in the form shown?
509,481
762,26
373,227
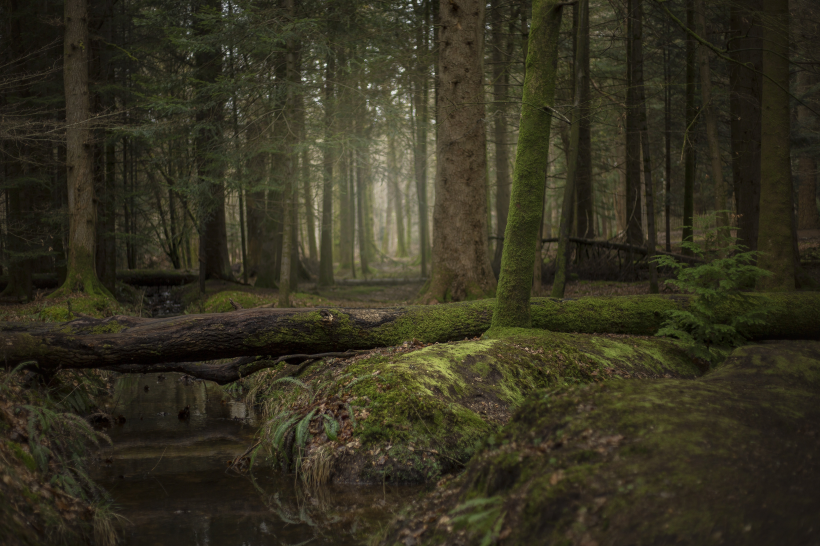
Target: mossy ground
412,413
730,458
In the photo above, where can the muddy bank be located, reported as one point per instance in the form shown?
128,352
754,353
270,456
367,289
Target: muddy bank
730,458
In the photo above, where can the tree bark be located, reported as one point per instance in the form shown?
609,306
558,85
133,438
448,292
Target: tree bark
710,117
501,80
395,190
634,231
568,206
120,340
81,268
808,217
690,114
643,128
584,190
776,236
461,266
328,160
746,84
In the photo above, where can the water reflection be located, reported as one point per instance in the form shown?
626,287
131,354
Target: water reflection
167,475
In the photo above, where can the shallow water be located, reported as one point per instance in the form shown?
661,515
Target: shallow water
168,476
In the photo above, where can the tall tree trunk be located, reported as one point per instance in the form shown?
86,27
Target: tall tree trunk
81,267
776,237
634,231
643,127
746,86
395,191
328,160
710,117
530,171
667,138
568,205
361,219
420,163
689,132
501,80
213,241
584,191
256,195
461,267
290,256
807,163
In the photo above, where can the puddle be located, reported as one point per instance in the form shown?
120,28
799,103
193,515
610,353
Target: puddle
168,476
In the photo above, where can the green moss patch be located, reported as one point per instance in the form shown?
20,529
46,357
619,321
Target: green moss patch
412,413
730,458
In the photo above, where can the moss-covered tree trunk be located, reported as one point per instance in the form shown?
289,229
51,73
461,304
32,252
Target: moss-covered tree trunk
776,237
81,267
461,266
501,81
527,196
98,343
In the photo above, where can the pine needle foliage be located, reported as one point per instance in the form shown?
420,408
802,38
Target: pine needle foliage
718,285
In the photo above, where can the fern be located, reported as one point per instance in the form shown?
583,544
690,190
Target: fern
351,414
718,286
281,433
303,430
294,381
331,428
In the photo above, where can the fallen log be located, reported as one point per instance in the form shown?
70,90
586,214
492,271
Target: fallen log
134,277
101,343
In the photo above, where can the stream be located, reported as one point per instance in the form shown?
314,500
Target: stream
168,476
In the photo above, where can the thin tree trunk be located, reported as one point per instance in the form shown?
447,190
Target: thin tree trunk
776,237
688,135
398,207
710,117
807,163
567,208
746,85
81,274
584,190
501,80
667,138
328,160
643,127
634,232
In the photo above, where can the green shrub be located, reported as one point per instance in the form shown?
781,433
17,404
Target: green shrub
718,317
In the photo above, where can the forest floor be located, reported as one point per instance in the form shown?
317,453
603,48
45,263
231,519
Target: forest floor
583,412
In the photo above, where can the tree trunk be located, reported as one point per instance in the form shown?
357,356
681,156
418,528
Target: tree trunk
395,190
501,80
81,268
328,160
688,135
746,85
807,163
461,266
634,231
667,139
776,237
420,160
214,261
568,205
121,340
710,117
584,191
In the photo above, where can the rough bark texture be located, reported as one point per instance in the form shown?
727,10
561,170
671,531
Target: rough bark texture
776,237
118,340
81,274
461,267
746,83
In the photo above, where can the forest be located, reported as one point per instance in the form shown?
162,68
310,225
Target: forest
409,272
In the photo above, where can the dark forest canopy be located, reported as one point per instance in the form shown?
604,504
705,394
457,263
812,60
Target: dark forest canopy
270,141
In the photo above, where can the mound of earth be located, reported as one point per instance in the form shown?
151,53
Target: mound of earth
729,458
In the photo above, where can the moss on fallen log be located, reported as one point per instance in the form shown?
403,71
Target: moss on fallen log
730,458
97,343
410,417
